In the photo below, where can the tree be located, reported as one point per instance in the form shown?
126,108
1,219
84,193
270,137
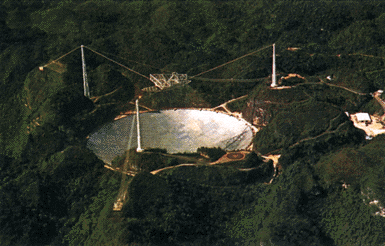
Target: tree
68,103
213,153
347,165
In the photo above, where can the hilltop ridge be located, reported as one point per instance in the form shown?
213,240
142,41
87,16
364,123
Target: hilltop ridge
327,188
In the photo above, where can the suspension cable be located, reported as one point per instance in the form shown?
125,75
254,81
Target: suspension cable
61,57
143,64
242,70
199,74
230,80
144,76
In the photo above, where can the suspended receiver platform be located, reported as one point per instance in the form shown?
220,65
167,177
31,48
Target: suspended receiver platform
163,81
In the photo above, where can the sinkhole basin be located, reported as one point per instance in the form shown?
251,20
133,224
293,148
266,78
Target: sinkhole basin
177,131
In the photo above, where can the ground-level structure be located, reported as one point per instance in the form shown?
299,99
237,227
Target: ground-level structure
363,118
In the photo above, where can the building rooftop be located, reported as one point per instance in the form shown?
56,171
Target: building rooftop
363,117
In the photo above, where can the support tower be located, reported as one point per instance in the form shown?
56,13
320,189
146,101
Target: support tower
85,82
273,76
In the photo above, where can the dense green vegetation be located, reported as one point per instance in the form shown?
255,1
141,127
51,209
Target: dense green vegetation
54,191
213,153
145,161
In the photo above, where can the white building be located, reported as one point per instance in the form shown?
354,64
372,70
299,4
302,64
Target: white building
363,118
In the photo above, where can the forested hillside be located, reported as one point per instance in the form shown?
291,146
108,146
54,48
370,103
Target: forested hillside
329,188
